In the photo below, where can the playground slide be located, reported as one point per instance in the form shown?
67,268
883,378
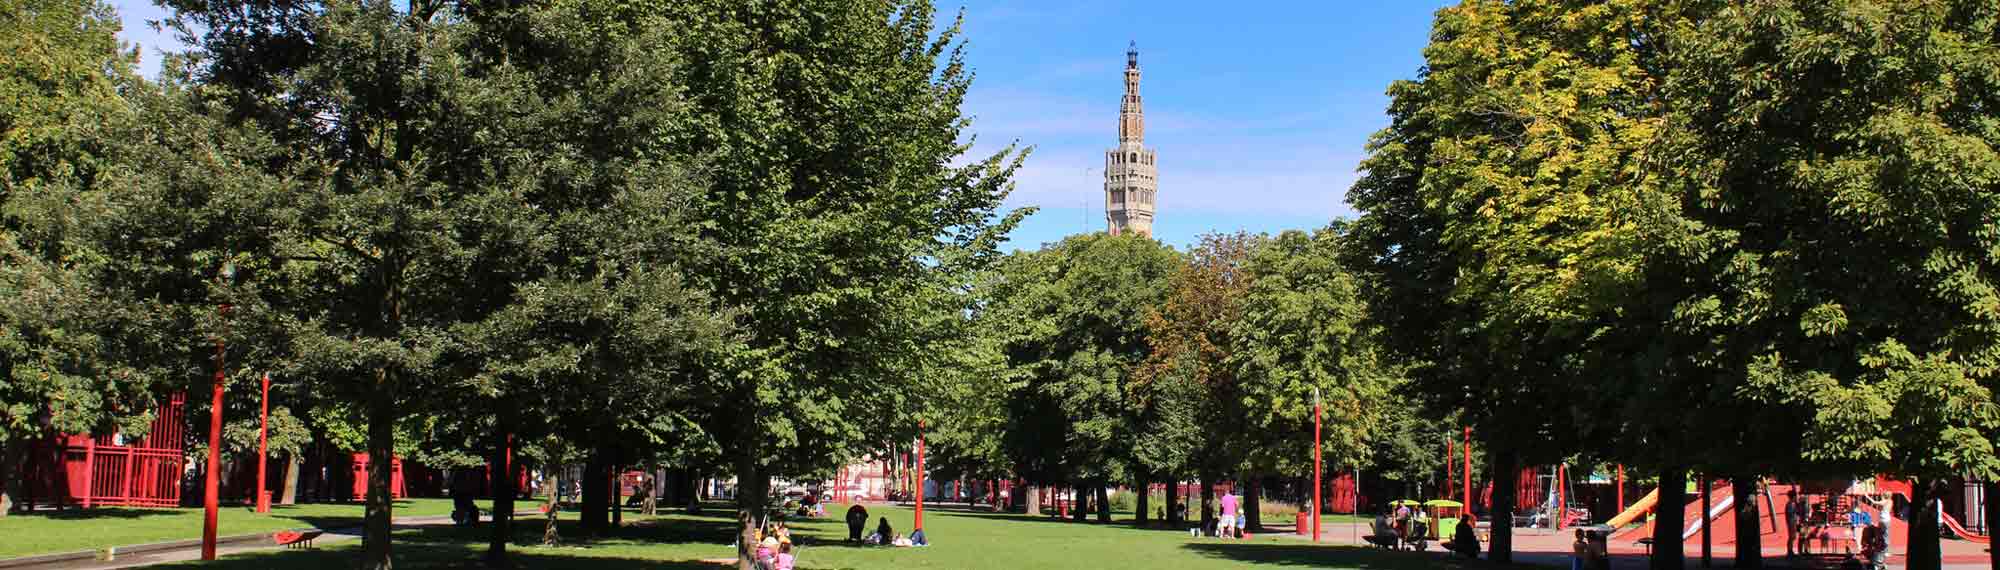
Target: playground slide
1639,509
1720,501
1959,529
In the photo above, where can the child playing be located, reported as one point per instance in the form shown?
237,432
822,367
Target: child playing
784,559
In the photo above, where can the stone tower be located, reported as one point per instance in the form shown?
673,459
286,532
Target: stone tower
1129,174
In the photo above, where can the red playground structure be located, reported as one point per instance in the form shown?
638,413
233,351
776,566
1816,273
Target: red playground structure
111,470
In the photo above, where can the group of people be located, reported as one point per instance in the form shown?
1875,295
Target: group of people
884,535
773,544
1405,526
1870,535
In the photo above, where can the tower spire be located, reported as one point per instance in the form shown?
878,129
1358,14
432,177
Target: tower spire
1129,173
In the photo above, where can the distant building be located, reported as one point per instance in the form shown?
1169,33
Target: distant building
1130,178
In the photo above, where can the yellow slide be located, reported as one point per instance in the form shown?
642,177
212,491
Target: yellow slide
1639,509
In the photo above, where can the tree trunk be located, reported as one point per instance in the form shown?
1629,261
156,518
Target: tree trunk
381,462
1669,518
1207,502
551,506
1173,498
290,493
752,493
1079,508
1145,502
1991,492
1103,504
1749,524
1506,494
1034,500
13,472
692,488
312,478
617,482
596,472
1253,518
501,484
1925,553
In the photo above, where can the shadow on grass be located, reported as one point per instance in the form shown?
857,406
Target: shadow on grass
1311,556
455,547
96,513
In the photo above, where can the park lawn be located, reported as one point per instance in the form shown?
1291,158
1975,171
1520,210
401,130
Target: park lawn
962,540
47,532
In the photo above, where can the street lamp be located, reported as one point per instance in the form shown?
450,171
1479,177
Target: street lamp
209,500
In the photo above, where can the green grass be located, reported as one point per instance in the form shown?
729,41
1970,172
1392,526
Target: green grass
46,532
961,540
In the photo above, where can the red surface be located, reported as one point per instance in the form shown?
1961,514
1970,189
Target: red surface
1959,529
112,470
396,489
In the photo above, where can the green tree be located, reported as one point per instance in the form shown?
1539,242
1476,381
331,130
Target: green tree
837,209
1188,397
1304,332
1846,153
73,352
1076,312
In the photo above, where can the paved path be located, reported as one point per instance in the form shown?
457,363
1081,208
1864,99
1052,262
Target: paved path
185,550
1548,548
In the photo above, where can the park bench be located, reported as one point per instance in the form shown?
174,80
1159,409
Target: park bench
294,538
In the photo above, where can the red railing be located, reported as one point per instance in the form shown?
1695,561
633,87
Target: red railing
108,471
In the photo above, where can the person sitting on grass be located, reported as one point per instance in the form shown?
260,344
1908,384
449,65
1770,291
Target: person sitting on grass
917,538
1464,539
884,533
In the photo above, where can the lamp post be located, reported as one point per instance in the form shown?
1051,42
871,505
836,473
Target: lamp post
919,475
209,501
1316,464
1468,468
263,446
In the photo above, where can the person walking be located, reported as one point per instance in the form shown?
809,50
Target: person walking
1795,521
1226,527
1857,521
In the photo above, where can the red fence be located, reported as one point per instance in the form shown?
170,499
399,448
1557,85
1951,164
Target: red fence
109,470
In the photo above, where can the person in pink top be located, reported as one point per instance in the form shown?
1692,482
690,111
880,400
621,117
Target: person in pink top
1227,526
784,559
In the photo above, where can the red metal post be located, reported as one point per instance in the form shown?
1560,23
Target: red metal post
1468,468
263,446
1317,485
919,475
209,501
1450,467
1621,487
1562,494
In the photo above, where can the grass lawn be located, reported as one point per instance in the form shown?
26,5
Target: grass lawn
46,532
961,540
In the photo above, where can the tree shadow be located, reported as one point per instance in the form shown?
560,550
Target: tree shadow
95,513
1316,556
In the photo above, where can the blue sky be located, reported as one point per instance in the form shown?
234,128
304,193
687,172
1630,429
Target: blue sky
1259,110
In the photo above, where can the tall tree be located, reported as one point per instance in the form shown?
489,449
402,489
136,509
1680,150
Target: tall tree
1848,148
1188,396
74,351
1304,332
835,202
1077,311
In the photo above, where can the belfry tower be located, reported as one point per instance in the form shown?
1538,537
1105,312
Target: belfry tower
1129,174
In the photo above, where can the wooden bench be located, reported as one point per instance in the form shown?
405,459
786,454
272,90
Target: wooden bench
295,539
